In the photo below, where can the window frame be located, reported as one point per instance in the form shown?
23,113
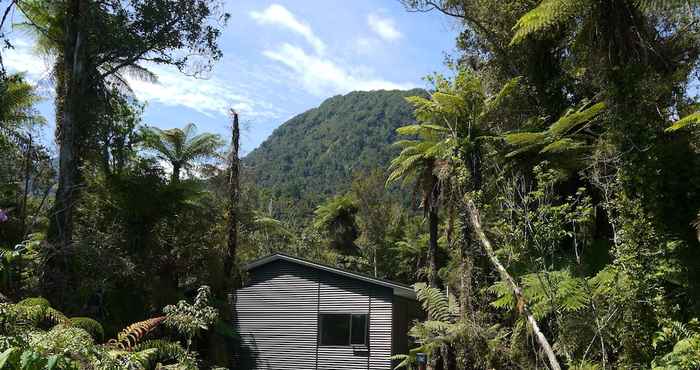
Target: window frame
349,338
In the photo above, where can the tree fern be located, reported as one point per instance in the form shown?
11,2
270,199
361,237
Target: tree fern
564,135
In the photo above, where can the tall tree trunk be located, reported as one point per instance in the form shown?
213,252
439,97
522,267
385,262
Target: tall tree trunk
73,86
27,175
475,220
433,246
234,194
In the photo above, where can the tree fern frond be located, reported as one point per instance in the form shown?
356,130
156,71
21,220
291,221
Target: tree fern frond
562,145
448,103
548,14
433,301
525,138
691,119
409,130
161,351
573,119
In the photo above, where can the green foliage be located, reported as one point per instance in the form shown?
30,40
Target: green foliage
602,237
89,325
684,341
29,342
190,319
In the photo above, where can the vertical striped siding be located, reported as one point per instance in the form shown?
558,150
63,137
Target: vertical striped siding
277,314
380,326
342,295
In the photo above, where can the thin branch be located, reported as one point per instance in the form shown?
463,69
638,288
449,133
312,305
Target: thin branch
6,13
517,291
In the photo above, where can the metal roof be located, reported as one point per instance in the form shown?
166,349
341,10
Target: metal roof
399,289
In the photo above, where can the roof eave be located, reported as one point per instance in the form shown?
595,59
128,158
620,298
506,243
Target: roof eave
398,289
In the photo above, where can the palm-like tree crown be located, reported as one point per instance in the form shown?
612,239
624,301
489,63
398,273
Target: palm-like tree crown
180,147
17,102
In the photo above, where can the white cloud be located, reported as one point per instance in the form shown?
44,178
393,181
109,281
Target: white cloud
321,75
207,96
279,15
366,45
22,59
383,27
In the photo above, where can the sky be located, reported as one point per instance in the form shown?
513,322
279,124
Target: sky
280,58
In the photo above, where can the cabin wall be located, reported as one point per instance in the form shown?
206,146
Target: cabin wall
344,295
406,311
277,316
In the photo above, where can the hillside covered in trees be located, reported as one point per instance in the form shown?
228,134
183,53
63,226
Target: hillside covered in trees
314,155
542,197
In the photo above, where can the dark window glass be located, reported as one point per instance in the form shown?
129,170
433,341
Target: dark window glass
358,329
343,329
335,330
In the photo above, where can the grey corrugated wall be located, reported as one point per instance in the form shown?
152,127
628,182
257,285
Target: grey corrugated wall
277,316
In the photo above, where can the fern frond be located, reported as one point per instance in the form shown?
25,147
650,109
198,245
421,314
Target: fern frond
691,119
525,138
573,119
133,333
562,145
162,351
548,14
409,130
434,302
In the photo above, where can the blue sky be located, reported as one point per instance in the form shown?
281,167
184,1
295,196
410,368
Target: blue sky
282,58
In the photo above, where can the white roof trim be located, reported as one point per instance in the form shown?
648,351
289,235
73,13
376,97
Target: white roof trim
399,289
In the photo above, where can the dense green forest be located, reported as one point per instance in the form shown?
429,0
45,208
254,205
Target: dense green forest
315,154
543,197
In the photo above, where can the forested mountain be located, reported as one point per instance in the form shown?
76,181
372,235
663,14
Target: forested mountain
314,154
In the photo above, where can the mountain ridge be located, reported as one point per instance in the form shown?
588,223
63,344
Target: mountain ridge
313,155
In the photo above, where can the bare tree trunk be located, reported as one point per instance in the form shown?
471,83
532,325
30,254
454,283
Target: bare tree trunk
27,173
433,246
234,194
522,304
376,247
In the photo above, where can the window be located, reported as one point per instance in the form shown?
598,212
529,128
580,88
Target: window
343,329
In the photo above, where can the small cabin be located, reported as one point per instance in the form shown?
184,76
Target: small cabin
301,315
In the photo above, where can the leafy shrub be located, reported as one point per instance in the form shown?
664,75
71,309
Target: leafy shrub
89,325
